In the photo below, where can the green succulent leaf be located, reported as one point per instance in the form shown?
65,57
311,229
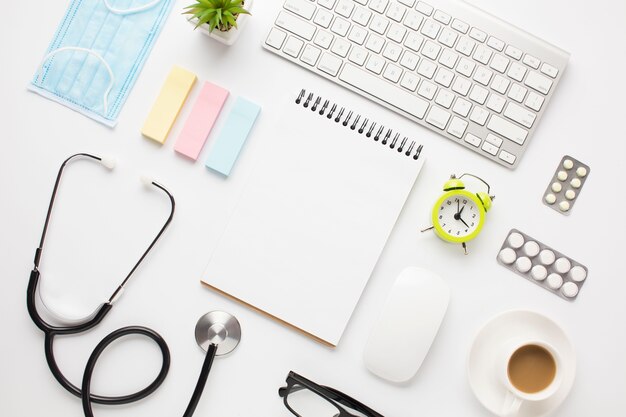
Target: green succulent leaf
220,14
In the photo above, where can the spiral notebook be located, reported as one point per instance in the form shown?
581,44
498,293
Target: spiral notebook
315,215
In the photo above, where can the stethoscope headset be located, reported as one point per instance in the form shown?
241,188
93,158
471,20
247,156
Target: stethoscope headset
217,332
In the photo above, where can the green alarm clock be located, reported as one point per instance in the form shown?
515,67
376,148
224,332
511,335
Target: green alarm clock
459,215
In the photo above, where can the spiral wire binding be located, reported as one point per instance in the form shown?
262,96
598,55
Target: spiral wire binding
368,127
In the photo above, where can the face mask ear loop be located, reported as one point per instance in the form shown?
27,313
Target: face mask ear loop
123,12
93,53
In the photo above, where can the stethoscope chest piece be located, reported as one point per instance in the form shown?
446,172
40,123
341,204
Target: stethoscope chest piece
218,328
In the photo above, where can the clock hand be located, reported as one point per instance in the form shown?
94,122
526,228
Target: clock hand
457,208
461,212
460,218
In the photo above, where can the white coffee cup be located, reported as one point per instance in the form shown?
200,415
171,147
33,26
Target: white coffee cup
515,397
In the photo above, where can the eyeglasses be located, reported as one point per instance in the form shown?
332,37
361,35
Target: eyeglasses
305,398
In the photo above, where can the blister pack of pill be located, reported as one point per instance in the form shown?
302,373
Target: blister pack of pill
542,265
566,184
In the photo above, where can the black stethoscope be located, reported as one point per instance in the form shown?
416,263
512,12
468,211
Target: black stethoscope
217,332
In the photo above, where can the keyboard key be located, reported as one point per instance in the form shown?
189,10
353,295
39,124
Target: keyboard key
375,64
276,38
461,86
531,61
427,90
431,29
427,68
409,60
460,26
424,8
361,16
517,93
357,35
379,24
407,3
448,58
513,52
517,71
483,75
479,94
489,148
442,17
465,46
329,4
293,46
379,6
392,73
462,107
538,82
382,90
303,8
413,20
323,18
479,115
473,140
495,43
507,157
549,70
520,115
482,54
500,84
534,101
295,25
478,34
358,55
375,43
457,127
344,8
341,47
444,98
494,140
499,63
409,81
396,12
444,77
438,117
496,103
330,64
465,67
413,41
310,55
392,51
507,129
396,32
431,50
448,37
340,26
323,39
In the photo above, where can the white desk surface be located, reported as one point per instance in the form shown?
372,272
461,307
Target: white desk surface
585,119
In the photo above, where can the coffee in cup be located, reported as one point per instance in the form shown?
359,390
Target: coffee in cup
531,368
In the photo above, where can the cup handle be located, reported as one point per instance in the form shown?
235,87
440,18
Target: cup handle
511,406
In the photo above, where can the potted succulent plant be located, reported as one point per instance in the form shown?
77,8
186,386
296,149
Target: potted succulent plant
222,20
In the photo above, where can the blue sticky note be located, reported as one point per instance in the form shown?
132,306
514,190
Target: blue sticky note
233,136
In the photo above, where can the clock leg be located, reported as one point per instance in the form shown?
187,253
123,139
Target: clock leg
464,247
427,229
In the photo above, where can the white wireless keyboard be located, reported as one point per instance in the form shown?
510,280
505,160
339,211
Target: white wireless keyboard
445,64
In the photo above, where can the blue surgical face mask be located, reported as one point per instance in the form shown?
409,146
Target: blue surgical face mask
97,53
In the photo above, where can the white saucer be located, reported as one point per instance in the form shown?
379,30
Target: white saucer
481,363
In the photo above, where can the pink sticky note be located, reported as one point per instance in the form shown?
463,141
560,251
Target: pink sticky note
201,120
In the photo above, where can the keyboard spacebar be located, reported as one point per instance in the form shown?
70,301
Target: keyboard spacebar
384,91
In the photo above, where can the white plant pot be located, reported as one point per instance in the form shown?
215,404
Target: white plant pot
229,37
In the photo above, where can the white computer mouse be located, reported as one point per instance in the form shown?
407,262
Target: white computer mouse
407,325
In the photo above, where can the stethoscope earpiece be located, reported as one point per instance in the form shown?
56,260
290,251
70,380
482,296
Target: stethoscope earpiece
220,329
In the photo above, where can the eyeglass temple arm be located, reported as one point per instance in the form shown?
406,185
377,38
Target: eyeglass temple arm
335,395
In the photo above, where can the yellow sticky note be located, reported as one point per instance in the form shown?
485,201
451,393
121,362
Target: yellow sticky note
168,104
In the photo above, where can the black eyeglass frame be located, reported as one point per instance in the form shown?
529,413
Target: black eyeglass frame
335,397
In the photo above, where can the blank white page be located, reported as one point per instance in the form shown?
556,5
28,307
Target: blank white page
312,221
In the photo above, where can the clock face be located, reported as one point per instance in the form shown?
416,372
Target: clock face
458,216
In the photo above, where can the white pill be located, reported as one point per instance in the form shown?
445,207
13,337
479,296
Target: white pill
546,257
523,264
569,289
531,248
576,183
581,171
557,187
550,198
539,272
562,175
570,194
507,255
516,240
555,281
564,206
562,265
578,273
568,164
